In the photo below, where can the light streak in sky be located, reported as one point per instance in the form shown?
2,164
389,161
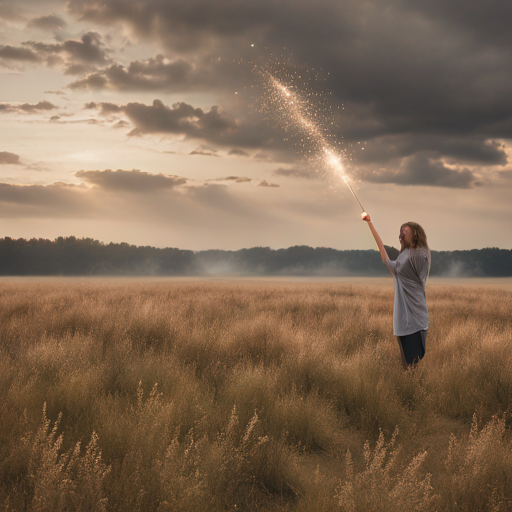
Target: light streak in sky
298,113
335,162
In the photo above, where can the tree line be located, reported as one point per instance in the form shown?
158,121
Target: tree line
71,256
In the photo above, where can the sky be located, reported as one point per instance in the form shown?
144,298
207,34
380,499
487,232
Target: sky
152,122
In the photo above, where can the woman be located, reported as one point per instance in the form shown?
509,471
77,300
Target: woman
410,273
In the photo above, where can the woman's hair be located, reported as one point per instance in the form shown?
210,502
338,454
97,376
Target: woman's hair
419,238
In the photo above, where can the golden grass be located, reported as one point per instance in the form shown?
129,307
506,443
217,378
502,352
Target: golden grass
250,395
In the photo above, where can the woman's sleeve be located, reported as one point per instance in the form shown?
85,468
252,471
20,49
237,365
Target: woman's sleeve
391,265
420,262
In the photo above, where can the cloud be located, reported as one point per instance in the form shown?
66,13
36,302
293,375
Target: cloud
155,74
9,158
488,25
77,57
130,181
57,199
297,172
105,200
452,77
236,179
203,152
184,27
181,118
58,93
467,149
238,152
121,124
18,54
127,195
92,81
265,183
419,170
50,22
28,108
105,108
213,126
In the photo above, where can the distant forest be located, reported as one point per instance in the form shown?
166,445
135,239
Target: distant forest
71,256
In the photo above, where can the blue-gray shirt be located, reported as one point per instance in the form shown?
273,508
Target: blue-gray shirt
410,272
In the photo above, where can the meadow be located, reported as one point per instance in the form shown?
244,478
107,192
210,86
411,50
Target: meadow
251,395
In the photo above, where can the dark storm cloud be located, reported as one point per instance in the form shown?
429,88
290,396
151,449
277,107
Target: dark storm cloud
184,25
214,126
181,118
77,57
50,22
9,158
455,148
419,170
130,181
18,53
89,49
29,108
489,21
429,78
154,74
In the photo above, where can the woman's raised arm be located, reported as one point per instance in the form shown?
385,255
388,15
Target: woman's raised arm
384,255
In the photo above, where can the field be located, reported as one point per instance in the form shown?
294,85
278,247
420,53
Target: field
251,395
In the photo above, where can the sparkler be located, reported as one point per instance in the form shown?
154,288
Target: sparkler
300,113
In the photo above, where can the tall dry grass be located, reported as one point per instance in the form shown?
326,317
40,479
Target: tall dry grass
223,396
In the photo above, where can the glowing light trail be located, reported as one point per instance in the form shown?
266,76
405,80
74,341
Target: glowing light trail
300,112
335,163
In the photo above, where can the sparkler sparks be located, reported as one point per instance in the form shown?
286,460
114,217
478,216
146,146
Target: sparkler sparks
298,114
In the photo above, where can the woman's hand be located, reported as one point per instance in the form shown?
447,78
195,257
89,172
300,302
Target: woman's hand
365,216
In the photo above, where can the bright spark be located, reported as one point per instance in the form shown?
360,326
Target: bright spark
300,113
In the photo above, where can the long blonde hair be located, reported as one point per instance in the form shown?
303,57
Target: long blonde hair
419,238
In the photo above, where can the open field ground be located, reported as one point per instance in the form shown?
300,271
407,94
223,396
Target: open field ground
251,395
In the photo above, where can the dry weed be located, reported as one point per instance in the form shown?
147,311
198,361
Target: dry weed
246,395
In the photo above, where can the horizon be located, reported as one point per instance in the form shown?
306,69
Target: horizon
244,248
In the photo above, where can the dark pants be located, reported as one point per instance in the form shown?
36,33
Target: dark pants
413,346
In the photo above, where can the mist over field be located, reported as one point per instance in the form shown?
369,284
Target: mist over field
251,394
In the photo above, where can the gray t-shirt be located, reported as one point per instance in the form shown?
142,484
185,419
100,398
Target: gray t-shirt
410,273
